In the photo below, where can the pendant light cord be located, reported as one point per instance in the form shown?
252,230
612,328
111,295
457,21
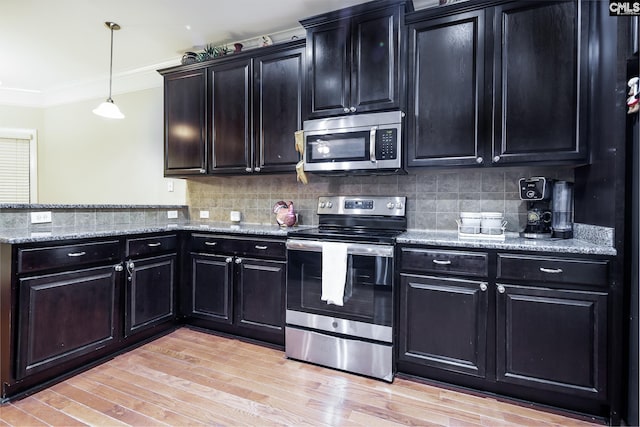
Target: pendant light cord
111,62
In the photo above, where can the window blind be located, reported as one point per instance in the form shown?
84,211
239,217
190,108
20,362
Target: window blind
14,170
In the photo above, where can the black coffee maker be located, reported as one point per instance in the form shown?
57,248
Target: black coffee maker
549,208
537,193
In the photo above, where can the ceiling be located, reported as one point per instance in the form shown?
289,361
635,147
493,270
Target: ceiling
55,52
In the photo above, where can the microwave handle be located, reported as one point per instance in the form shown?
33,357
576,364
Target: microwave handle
372,144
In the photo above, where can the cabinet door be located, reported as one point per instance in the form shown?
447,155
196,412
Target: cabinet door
328,48
150,292
211,288
552,339
230,117
446,77
261,290
443,323
375,71
185,147
540,82
63,316
278,95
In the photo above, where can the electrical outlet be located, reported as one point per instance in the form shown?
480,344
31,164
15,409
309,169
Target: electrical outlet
204,214
172,214
40,217
170,186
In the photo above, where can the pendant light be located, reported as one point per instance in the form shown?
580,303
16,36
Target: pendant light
108,108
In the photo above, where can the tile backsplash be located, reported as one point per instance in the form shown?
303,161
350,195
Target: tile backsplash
434,198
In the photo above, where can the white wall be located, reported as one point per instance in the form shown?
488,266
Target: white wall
85,159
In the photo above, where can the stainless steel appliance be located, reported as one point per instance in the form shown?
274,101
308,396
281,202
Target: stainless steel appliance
549,208
359,143
354,334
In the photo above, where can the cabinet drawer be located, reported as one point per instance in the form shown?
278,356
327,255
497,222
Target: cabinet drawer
261,248
241,246
550,269
151,245
210,243
443,261
35,259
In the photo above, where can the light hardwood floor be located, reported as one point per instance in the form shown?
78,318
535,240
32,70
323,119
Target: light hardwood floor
193,378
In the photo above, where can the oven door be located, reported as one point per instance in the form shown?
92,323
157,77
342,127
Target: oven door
368,285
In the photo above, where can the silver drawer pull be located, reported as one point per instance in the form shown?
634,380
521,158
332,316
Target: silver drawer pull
442,262
154,245
210,243
551,270
76,254
262,248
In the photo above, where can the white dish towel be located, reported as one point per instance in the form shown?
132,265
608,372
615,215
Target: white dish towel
334,272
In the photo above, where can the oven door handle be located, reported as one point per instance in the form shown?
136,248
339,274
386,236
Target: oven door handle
362,249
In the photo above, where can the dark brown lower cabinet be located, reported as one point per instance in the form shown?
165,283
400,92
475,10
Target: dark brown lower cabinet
237,286
444,323
260,297
150,292
65,315
533,326
210,296
552,339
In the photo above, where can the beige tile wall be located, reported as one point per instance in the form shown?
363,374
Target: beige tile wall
434,198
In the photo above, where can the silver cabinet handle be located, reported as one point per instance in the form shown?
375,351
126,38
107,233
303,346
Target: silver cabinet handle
501,289
479,160
261,247
496,159
248,169
119,267
202,171
257,169
483,287
228,260
131,265
346,110
551,270
76,254
154,245
238,260
210,243
352,109
442,262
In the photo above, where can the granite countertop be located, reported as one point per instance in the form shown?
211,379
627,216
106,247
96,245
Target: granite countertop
19,236
512,242
422,237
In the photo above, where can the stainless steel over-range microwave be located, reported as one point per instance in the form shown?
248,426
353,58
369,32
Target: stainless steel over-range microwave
365,142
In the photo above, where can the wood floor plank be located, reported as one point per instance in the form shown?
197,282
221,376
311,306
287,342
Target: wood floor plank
47,414
191,378
14,415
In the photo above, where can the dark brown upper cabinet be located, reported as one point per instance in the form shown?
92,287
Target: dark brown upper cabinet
230,127
355,59
185,119
236,114
498,83
278,94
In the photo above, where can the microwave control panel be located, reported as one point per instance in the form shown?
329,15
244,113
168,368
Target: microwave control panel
387,144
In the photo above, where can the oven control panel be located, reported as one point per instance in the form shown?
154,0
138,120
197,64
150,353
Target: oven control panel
362,205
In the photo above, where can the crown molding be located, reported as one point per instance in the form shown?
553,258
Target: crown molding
142,78
128,81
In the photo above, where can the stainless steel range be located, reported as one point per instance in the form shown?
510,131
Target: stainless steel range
340,285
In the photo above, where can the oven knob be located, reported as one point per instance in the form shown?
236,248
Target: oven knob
390,205
399,205
334,324
329,205
322,204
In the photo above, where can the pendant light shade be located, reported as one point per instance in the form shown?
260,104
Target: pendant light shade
108,108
